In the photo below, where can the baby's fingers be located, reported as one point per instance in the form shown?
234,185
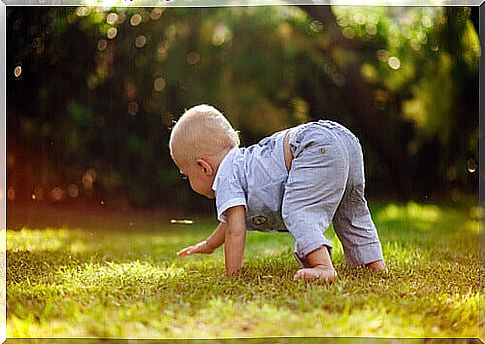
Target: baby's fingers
185,252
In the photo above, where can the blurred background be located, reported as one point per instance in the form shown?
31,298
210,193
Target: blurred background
92,94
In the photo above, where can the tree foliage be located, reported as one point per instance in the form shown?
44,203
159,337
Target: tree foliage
90,109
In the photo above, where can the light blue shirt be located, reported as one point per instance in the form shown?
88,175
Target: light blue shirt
254,177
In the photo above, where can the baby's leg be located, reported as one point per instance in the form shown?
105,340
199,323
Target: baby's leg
352,222
313,191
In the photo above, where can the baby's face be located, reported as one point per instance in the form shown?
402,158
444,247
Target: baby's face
200,181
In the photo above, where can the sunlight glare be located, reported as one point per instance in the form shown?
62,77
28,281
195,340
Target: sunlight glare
411,210
37,240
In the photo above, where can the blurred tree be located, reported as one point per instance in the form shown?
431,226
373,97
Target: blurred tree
104,85
413,77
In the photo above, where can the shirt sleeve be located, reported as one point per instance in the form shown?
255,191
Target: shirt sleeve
229,193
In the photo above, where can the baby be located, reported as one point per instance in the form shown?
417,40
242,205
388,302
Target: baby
297,180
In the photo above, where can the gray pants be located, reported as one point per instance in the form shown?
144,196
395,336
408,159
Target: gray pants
326,184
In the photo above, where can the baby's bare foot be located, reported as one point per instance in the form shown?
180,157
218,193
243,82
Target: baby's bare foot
377,265
310,274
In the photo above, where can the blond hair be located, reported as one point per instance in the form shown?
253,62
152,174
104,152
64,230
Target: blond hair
201,131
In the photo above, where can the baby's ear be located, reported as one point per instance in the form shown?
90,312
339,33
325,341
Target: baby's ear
206,167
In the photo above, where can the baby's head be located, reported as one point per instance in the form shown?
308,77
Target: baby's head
199,141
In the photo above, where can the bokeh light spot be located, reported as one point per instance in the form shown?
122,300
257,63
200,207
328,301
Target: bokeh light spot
11,194
92,82
338,79
183,85
382,55
140,41
193,57
221,35
426,21
159,84
73,190
89,178
371,29
415,46
17,71
112,32
130,89
359,18
316,26
112,18
135,20
83,11
133,108
348,33
57,194
156,13
102,44
471,165
121,17
394,62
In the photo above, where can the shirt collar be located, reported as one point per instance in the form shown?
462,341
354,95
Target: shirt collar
226,160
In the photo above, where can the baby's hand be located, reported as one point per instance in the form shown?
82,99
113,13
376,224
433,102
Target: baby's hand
201,247
327,274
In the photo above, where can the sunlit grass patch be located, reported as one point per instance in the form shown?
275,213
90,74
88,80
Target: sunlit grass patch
104,283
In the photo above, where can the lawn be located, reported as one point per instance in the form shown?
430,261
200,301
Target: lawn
76,274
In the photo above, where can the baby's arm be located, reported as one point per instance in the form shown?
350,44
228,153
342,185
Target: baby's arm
214,240
235,239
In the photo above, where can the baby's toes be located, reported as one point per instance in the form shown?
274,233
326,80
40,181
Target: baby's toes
300,274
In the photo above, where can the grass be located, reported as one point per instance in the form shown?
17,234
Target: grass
118,276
